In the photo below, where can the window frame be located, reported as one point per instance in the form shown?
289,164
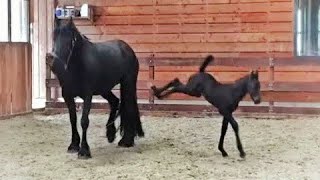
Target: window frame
295,34
10,35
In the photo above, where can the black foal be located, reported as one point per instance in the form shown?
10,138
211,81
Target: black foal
225,97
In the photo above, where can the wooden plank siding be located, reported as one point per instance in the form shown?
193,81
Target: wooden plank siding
171,38
15,77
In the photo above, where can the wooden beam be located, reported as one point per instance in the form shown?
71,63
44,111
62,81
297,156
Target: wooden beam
197,109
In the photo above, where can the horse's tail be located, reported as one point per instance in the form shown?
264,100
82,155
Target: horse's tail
206,62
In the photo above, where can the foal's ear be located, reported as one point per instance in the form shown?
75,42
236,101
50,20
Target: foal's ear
254,74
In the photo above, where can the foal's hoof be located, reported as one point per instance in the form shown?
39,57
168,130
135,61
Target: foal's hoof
243,155
111,134
73,148
126,144
84,154
155,91
224,154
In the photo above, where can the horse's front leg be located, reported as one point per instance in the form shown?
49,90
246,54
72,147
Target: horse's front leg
84,152
75,141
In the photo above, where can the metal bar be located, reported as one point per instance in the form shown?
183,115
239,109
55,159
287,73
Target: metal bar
151,78
271,82
9,21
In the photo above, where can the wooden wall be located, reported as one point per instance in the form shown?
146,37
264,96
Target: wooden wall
175,33
193,28
15,78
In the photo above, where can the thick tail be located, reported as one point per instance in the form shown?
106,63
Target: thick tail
206,63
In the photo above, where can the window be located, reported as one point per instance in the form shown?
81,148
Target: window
4,36
14,23
307,42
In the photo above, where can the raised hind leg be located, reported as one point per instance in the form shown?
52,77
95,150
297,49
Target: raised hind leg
158,91
130,116
114,106
178,87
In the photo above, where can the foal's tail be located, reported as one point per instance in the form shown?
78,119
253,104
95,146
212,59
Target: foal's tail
206,63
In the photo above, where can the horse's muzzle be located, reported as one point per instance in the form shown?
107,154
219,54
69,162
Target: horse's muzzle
49,59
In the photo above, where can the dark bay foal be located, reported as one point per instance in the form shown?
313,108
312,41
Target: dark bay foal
225,97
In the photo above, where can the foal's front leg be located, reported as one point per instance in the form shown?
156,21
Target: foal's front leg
235,127
224,129
75,141
84,152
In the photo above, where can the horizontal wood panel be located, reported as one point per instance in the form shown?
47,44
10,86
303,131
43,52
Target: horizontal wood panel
130,9
184,38
212,47
141,85
172,109
220,76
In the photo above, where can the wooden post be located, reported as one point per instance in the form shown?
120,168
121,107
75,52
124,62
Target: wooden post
271,82
151,78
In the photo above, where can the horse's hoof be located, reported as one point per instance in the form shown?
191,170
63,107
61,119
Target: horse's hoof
123,143
111,134
73,148
243,155
84,154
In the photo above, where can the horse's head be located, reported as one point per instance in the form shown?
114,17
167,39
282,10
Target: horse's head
65,37
253,87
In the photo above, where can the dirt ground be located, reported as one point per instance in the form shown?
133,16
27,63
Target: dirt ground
34,147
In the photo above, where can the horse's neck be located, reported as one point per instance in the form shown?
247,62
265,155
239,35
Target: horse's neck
240,88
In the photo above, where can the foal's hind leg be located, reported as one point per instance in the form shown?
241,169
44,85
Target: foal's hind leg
114,106
180,88
158,91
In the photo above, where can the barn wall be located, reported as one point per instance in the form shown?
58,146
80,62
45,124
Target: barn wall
193,28
15,78
253,30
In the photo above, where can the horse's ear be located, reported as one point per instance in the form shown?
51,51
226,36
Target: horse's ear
70,22
56,21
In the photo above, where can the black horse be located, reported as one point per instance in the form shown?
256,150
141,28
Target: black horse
225,97
85,69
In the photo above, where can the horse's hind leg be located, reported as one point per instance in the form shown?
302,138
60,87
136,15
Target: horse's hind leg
114,106
130,116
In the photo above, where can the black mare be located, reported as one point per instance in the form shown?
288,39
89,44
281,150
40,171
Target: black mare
225,97
85,69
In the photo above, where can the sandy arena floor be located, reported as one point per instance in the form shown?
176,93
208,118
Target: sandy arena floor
34,147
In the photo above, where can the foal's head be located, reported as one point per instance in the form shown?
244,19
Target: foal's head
253,87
